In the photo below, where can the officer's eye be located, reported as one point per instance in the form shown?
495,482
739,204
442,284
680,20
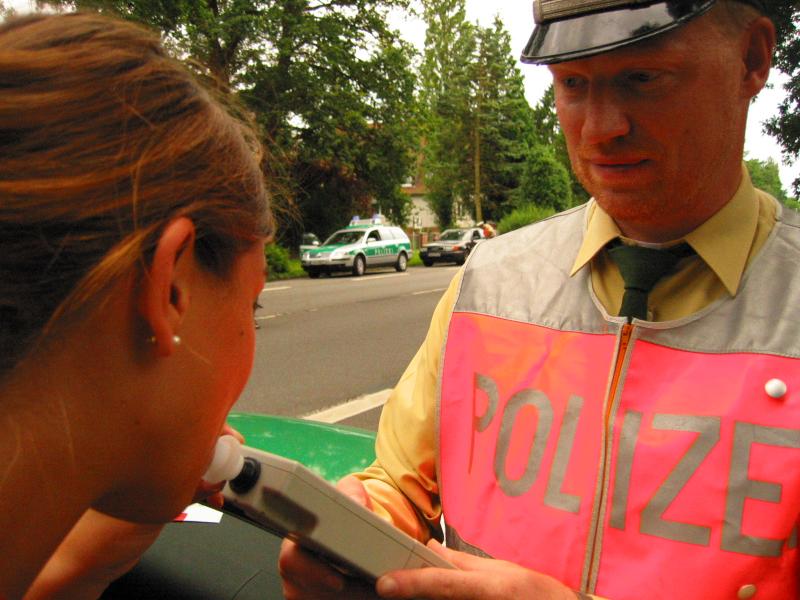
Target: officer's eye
642,76
571,83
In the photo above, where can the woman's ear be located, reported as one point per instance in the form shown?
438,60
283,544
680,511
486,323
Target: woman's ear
759,45
164,293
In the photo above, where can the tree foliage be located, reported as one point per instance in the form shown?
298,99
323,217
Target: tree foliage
766,176
545,181
502,124
548,133
522,216
328,81
785,126
478,126
444,97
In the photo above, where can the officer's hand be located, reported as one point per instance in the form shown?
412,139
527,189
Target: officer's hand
475,579
306,577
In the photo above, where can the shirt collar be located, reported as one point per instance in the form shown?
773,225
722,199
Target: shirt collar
600,229
723,241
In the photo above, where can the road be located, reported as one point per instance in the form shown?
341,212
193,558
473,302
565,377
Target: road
326,342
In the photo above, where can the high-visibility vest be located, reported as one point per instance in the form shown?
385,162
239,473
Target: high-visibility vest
652,459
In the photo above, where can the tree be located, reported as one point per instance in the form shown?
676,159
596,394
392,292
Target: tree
328,81
786,125
445,102
502,123
548,132
765,175
478,126
545,181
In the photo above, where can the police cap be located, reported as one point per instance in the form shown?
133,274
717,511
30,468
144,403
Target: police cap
571,29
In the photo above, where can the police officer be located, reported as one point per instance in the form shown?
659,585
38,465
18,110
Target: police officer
608,402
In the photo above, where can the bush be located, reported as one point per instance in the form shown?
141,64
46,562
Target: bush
544,181
524,215
277,259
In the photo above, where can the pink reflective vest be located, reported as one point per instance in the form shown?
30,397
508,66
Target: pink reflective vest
681,481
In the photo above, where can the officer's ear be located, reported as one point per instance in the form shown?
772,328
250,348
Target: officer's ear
758,44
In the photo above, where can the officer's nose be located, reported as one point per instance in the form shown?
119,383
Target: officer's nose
605,118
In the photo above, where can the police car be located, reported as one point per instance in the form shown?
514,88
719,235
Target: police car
357,247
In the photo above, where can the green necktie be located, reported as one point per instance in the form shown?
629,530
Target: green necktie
641,268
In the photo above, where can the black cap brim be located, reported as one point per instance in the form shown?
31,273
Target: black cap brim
594,33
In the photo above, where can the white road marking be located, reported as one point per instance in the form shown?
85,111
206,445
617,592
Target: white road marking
351,408
374,277
428,291
264,318
275,289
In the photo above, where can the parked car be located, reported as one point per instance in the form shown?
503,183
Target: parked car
235,559
454,245
357,248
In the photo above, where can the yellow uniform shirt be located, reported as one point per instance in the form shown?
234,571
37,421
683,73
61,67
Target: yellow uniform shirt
406,445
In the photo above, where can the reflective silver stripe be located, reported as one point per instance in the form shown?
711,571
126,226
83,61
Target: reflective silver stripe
537,399
622,477
523,276
539,290
488,385
766,321
554,497
741,487
455,542
653,522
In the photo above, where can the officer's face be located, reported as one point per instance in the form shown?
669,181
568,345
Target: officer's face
655,131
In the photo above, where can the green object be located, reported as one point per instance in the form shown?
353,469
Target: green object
522,216
332,451
641,268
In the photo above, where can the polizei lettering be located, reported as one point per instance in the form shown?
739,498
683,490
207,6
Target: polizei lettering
737,484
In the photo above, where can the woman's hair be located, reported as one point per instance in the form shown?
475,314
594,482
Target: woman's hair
104,139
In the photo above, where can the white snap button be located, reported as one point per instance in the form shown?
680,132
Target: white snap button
775,388
747,591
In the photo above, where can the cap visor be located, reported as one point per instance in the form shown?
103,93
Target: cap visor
591,34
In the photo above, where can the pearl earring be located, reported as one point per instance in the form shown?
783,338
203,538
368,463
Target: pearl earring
176,339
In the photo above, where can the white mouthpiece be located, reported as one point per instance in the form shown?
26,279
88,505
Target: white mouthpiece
227,462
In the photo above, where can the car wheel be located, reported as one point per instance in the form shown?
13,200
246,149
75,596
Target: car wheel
402,262
427,263
313,274
359,266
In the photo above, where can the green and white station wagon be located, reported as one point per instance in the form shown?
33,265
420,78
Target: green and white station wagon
358,247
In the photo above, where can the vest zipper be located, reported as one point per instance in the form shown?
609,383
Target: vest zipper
624,340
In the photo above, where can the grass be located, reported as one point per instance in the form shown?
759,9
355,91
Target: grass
294,272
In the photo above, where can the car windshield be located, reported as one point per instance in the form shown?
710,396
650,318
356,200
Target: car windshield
451,234
344,237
